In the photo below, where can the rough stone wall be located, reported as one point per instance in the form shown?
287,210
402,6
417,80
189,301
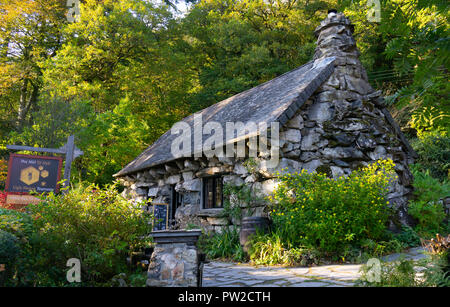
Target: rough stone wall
341,127
344,125
173,265
186,176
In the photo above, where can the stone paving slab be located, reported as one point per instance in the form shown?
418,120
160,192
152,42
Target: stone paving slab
229,274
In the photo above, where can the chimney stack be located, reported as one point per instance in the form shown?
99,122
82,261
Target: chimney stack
335,39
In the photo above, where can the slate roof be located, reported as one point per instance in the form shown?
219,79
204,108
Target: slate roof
276,100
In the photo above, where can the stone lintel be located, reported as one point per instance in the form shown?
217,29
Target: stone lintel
189,237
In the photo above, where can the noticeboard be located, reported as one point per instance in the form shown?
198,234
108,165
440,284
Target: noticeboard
160,215
27,173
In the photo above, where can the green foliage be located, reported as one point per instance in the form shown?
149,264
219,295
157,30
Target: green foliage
269,249
9,248
18,223
223,245
3,173
427,208
434,155
54,120
408,237
427,188
238,201
430,216
404,273
110,140
332,214
95,225
371,248
400,274
236,45
406,54
429,120
9,251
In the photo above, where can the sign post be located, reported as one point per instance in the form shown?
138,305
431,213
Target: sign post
69,150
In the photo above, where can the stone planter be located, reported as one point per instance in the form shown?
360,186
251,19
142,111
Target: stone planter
175,259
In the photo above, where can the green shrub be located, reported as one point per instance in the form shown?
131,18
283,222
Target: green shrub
434,155
97,226
9,248
426,187
408,237
372,248
427,208
430,215
331,215
224,245
239,201
268,249
9,251
408,273
18,223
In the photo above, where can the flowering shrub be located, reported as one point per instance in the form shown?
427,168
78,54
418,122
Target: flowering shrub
314,211
427,207
3,172
99,227
2,199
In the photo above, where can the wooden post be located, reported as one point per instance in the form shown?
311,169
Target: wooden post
70,147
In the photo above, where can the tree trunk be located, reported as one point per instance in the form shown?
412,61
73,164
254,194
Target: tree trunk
22,112
25,103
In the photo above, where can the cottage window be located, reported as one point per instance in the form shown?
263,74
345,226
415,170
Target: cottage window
176,202
212,192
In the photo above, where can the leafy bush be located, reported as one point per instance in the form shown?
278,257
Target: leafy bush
9,248
330,215
407,273
371,248
18,223
98,227
434,155
408,237
3,173
268,249
430,216
427,208
426,187
224,245
239,201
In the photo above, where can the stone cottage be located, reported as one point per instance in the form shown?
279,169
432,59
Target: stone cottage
329,119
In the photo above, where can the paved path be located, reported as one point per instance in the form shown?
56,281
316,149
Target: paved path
225,274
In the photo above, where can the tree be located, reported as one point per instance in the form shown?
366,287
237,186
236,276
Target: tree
236,45
30,34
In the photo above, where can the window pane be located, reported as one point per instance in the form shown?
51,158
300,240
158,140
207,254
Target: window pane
212,192
209,193
218,203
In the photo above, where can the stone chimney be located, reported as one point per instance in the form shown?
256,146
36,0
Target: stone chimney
335,38
347,118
